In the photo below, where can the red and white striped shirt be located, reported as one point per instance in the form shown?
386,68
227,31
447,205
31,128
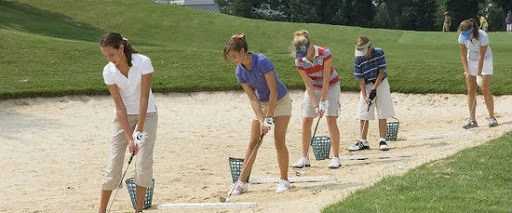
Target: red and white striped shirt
314,69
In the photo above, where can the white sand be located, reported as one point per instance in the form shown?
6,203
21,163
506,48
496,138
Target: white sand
54,150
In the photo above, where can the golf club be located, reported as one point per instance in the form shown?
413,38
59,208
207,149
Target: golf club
226,200
121,182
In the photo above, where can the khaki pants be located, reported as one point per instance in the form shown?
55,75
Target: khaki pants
382,102
143,160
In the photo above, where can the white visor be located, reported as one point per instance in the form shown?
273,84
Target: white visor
362,50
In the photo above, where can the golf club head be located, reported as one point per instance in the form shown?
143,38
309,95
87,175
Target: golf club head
224,200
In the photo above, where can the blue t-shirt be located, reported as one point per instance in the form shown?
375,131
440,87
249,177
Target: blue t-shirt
369,68
255,77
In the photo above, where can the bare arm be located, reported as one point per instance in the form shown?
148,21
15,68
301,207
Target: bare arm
483,50
255,104
309,87
380,76
144,97
121,113
325,81
362,87
272,100
464,58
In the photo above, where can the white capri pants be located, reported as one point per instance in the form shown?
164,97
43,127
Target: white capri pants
143,160
382,102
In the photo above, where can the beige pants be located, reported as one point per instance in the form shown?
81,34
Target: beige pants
143,160
333,98
382,102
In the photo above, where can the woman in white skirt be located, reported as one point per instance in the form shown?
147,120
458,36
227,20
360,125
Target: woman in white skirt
476,57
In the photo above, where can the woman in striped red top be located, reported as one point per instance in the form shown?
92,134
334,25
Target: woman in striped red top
322,95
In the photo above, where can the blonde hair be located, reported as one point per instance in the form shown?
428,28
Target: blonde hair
235,43
364,40
300,39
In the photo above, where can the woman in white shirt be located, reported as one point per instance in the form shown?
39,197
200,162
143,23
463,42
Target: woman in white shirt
128,78
476,57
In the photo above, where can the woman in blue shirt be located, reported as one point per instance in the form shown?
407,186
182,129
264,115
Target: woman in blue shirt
270,102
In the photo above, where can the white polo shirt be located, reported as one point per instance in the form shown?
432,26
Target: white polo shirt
129,87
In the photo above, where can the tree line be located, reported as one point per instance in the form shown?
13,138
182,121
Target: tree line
421,15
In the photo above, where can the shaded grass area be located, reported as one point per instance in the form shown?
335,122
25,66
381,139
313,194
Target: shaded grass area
477,179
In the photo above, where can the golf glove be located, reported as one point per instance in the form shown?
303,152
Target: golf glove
323,106
479,80
139,137
268,122
372,95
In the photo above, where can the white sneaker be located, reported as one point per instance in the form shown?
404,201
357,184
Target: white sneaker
238,188
335,163
283,186
383,146
302,162
360,145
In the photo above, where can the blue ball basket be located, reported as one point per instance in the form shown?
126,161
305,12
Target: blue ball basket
321,147
392,129
235,165
132,188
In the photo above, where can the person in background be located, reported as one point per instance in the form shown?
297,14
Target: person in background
508,21
322,95
484,25
370,71
270,102
476,58
128,76
447,22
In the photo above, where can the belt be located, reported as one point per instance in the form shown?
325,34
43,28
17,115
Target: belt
372,81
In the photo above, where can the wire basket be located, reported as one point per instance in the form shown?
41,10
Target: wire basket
235,165
321,147
132,188
392,129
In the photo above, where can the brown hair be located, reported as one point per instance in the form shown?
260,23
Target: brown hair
301,38
115,40
235,43
467,24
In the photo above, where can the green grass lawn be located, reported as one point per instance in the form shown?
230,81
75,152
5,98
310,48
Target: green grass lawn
477,179
50,48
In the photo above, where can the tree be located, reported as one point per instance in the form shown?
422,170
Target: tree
363,12
303,11
244,8
462,9
424,14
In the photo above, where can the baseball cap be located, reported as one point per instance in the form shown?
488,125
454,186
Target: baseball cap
361,50
302,51
466,34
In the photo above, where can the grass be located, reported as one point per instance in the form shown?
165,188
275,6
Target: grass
50,48
478,179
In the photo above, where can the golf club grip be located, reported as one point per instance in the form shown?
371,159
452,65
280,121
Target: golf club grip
131,158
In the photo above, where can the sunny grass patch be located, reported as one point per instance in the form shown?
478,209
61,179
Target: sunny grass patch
50,48
478,179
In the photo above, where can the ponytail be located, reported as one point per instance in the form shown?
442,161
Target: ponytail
114,40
